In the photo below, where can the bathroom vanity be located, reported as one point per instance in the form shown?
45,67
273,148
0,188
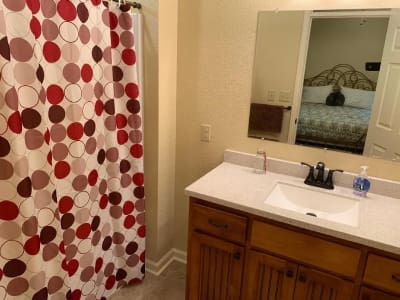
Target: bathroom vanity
242,246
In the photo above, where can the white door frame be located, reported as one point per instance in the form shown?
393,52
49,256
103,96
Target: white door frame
302,59
382,139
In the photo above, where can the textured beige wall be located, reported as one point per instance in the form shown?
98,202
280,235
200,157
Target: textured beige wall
345,41
325,4
276,54
277,48
216,41
160,64
150,43
168,29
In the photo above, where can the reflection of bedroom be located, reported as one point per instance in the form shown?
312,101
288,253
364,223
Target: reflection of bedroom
352,41
358,50
338,53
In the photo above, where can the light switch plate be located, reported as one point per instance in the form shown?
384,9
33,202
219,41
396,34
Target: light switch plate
284,96
205,132
271,95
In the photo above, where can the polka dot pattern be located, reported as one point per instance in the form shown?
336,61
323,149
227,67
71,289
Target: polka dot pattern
71,151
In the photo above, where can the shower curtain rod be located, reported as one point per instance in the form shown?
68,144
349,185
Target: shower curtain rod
132,4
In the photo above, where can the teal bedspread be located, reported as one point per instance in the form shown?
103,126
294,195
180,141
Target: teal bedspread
336,126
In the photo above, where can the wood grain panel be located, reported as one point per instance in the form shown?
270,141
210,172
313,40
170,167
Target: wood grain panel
383,272
219,223
371,294
305,248
216,271
315,285
268,277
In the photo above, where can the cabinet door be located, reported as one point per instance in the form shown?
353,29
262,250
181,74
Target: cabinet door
268,277
215,269
371,294
315,285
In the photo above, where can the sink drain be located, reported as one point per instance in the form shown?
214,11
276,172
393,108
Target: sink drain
311,214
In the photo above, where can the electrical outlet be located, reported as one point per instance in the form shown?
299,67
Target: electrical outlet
284,96
271,96
205,132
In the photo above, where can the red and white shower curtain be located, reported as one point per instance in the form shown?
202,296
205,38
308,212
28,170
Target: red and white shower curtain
71,151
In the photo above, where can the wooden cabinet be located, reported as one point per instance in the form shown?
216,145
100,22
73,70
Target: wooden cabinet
219,223
315,285
268,277
233,255
215,269
371,294
383,273
308,249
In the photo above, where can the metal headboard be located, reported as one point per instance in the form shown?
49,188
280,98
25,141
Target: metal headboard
343,75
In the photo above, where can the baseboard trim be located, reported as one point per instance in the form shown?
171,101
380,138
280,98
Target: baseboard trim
157,267
180,256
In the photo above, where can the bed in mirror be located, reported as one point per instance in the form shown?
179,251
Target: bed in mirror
328,80
335,109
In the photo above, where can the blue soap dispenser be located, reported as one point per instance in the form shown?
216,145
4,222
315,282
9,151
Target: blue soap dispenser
361,183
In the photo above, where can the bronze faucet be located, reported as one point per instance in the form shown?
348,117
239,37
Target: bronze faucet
319,180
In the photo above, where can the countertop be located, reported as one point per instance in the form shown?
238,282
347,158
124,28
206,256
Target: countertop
239,187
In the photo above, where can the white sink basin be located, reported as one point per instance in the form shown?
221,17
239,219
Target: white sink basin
319,204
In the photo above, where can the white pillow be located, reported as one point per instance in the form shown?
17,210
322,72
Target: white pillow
316,94
358,98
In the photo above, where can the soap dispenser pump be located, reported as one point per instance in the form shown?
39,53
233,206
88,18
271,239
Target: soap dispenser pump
361,183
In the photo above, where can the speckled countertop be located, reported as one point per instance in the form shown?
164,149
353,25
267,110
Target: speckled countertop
239,187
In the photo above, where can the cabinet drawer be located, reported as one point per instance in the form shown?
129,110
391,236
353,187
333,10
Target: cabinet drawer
383,272
219,223
370,294
305,248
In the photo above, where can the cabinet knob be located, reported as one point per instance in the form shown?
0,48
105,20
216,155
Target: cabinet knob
396,277
289,273
302,277
237,255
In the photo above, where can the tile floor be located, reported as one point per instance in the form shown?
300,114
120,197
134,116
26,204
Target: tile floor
170,285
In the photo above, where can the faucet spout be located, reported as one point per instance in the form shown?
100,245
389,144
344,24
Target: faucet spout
320,172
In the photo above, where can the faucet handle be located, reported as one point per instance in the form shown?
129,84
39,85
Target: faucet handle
336,170
329,178
310,176
320,165
306,164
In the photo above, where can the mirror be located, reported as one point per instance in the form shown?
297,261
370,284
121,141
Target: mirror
328,80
